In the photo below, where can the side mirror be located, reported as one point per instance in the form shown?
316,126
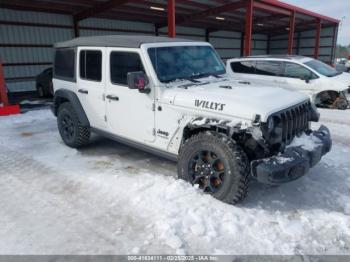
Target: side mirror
138,80
306,78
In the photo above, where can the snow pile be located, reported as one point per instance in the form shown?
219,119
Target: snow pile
307,142
197,81
111,199
283,160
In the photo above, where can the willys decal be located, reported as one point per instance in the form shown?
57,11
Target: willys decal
209,105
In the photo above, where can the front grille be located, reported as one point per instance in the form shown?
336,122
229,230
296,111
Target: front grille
289,123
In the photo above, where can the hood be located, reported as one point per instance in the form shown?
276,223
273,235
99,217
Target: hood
232,98
340,82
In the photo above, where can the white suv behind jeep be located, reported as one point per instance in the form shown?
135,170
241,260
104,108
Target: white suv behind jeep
171,97
325,86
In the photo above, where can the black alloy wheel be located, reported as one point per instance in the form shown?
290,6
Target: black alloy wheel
207,170
73,133
67,126
215,163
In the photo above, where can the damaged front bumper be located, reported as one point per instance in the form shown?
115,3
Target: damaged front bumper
294,162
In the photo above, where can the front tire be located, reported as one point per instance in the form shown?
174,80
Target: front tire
217,164
72,132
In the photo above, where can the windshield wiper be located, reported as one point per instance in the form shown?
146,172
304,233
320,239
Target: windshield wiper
206,75
181,78
193,78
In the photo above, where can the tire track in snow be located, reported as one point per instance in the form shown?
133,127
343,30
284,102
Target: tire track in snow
48,202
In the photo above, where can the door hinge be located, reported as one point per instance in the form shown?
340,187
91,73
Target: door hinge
104,97
153,107
105,118
154,132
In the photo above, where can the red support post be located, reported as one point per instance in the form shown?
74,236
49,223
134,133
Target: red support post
6,109
3,92
291,33
318,38
248,28
171,19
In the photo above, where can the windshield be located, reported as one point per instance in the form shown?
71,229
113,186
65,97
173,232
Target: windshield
185,62
322,68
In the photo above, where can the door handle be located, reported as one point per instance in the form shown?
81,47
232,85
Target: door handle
83,91
112,97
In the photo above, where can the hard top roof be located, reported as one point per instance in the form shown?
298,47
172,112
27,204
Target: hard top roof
133,41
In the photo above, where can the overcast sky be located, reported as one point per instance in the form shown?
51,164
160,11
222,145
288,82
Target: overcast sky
339,9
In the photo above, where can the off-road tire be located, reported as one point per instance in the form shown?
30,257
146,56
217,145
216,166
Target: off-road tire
80,134
235,185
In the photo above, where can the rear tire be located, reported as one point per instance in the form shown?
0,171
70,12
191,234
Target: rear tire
72,132
232,186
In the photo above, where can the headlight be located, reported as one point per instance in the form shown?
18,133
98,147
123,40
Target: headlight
273,130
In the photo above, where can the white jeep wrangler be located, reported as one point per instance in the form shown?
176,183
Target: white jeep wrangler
172,97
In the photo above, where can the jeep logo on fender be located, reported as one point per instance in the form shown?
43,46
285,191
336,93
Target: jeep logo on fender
209,105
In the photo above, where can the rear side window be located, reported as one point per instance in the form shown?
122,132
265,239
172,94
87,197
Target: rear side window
243,67
64,64
269,68
297,71
90,65
121,64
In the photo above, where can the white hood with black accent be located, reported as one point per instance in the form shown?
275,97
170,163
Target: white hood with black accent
232,98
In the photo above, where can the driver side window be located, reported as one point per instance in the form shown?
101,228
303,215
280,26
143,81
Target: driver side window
293,70
121,63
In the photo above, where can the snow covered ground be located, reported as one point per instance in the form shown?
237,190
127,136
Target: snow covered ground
112,199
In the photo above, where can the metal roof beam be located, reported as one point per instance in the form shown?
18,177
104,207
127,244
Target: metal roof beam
213,11
285,6
269,19
99,8
271,8
209,12
37,6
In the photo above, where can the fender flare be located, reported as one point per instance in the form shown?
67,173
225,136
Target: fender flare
64,95
222,126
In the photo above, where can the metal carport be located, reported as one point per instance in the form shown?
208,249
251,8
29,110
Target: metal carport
28,29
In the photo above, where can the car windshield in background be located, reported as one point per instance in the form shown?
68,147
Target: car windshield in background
322,68
185,62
